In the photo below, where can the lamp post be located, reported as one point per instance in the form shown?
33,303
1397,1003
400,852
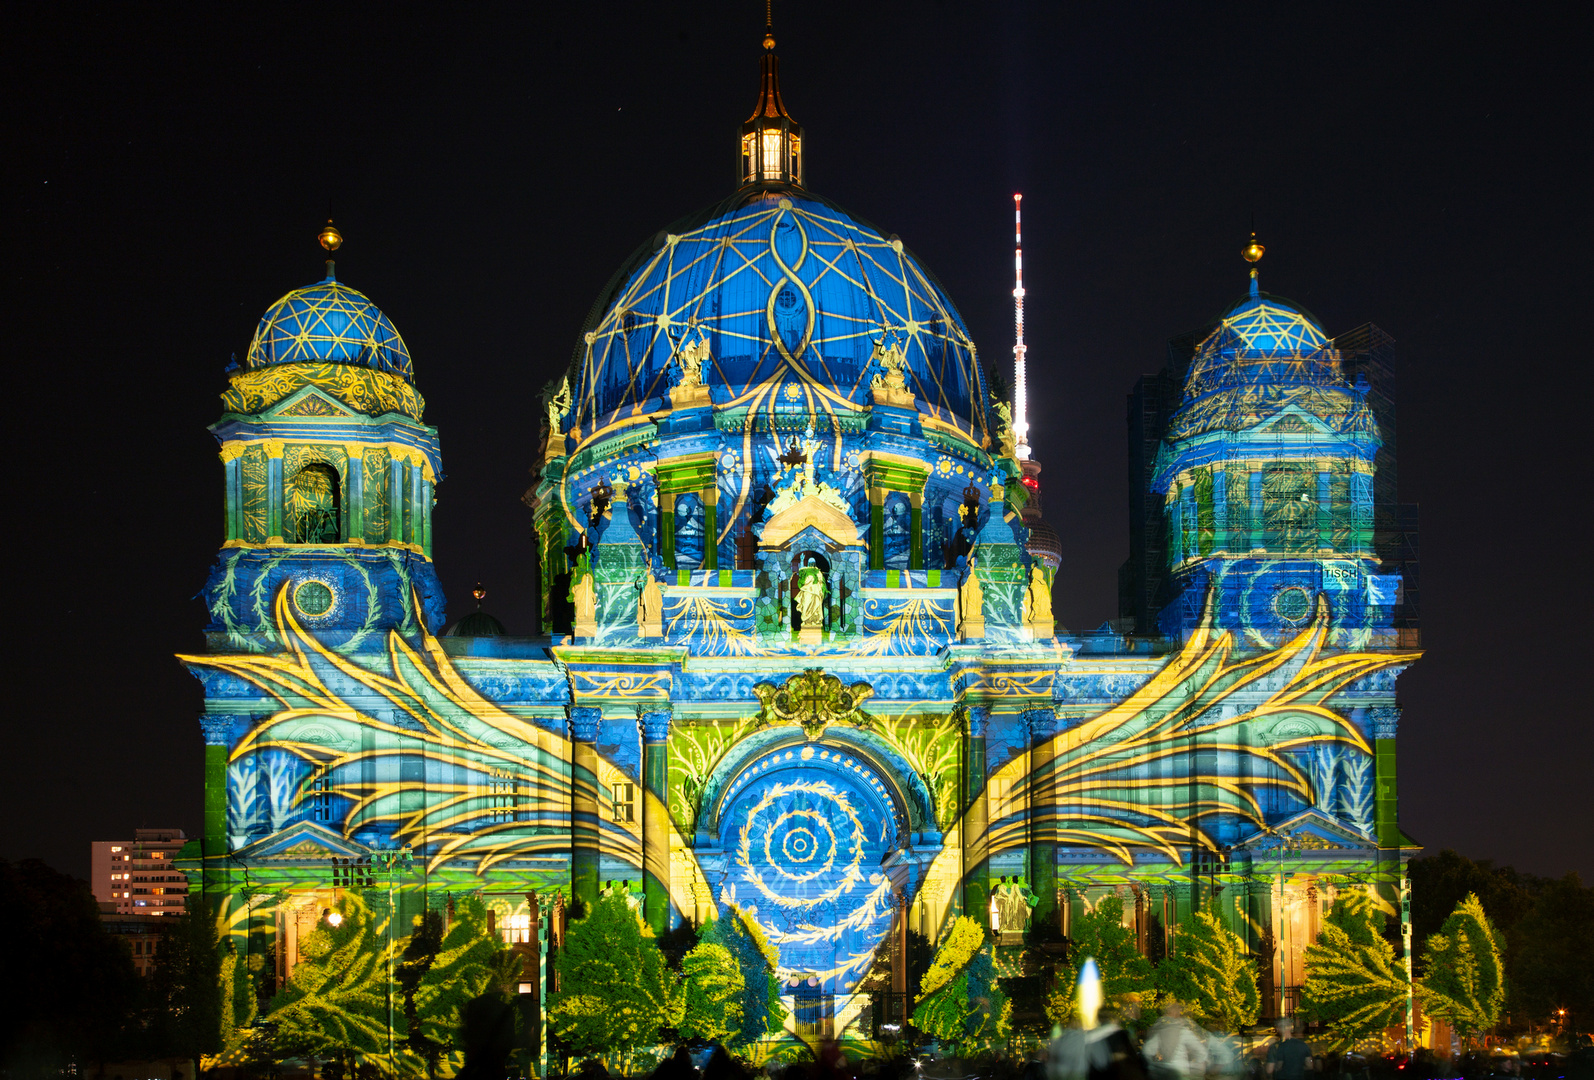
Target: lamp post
1286,843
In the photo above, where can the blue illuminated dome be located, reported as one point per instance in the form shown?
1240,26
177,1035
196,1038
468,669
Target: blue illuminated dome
1264,354
792,296
329,322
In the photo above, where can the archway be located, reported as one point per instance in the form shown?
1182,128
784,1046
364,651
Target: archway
807,830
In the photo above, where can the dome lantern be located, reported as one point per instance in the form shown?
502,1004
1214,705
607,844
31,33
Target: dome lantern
772,142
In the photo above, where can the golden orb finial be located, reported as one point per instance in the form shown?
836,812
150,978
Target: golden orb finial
1252,251
330,238
479,593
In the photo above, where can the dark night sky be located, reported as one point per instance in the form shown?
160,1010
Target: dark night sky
1423,167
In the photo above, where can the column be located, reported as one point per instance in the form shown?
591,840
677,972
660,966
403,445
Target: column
1258,526
915,530
232,470
584,797
667,528
273,491
1386,808
424,511
1042,724
414,531
711,529
354,504
877,527
1325,506
217,730
1361,502
398,465
976,870
1220,509
655,724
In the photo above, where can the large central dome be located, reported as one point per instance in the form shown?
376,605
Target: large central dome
792,297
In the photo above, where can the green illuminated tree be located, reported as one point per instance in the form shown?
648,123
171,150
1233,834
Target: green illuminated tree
616,992
1464,981
1354,982
959,1000
442,970
188,995
757,960
1126,976
711,994
335,1004
1211,972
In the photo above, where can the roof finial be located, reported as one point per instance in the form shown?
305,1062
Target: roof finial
1020,379
480,594
1252,253
769,24
331,239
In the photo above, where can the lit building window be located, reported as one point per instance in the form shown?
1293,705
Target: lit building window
503,798
321,796
624,802
516,929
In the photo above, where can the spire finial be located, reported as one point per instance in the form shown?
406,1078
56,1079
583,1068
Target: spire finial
1252,253
771,139
330,239
769,24
480,594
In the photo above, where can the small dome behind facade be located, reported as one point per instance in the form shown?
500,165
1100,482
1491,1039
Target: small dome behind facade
329,322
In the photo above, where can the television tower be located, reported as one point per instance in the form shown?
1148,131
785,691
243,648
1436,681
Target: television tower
1044,544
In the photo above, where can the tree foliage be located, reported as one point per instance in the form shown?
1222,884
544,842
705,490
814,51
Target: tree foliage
712,989
1442,881
72,983
1211,972
1126,976
1464,980
335,1003
190,992
1354,982
1552,963
757,959
960,1002
615,991
441,970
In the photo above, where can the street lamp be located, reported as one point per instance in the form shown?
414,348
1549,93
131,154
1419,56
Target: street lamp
388,860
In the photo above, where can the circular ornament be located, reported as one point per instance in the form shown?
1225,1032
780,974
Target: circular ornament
1292,604
313,598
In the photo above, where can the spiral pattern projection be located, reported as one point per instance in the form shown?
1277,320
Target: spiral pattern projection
810,828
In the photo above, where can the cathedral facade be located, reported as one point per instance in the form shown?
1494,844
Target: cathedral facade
800,654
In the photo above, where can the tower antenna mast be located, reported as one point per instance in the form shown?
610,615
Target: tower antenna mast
1020,382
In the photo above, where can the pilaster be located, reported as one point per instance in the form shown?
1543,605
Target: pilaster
976,869
232,470
584,823
655,726
274,448
354,505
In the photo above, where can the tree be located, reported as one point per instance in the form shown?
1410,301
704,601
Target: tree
711,994
616,992
187,993
1440,882
757,959
959,1000
1354,983
71,983
444,969
1126,976
1464,981
1552,961
1211,972
335,1003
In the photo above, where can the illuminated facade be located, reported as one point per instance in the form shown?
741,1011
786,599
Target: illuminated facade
801,654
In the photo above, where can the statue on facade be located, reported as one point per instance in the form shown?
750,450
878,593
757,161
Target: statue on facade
1012,909
584,597
971,603
811,598
689,360
1006,441
890,384
649,607
558,403
1038,602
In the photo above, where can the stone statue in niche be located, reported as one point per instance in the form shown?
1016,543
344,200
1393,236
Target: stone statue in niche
811,601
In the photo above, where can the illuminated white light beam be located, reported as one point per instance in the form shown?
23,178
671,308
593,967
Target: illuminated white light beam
1020,381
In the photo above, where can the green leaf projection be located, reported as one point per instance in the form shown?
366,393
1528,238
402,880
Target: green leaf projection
1464,980
1354,982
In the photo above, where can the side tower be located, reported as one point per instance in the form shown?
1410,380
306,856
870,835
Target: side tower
1263,481
329,475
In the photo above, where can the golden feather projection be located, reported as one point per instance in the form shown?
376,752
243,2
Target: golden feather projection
495,788
1202,738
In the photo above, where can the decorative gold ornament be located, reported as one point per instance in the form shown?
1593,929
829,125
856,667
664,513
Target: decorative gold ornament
1252,251
330,238
813,701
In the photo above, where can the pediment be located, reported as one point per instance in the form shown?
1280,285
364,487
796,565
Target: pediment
302,842
1310,830
810,512
1290,420
309,402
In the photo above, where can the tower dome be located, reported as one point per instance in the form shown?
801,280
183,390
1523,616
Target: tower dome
793,298
329,322
1264,354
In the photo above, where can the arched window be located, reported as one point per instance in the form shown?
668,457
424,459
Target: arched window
898,532
688,532
311,505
